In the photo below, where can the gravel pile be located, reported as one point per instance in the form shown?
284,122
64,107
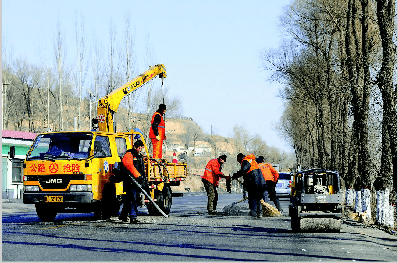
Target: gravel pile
236,210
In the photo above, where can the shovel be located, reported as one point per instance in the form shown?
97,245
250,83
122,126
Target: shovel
234,203
147,195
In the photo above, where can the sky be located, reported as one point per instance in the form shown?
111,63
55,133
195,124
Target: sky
211,50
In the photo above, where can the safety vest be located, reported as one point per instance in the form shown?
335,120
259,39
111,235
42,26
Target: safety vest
212,172
161,127
128,162
269,173
252,160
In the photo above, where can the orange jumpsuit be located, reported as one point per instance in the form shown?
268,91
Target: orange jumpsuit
271,177
157,128
210,179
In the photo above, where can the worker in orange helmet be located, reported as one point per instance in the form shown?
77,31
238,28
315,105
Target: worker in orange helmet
210,179
253,182
157,131
271,177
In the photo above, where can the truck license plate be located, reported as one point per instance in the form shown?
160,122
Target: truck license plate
54,199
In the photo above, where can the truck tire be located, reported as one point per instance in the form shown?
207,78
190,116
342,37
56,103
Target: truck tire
104,210
165,204
295,224
46,213
109,205
163,200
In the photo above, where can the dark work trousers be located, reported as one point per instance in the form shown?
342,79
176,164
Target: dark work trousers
130,203
256,188
272,194
212,195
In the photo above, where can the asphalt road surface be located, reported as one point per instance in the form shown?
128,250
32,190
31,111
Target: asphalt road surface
188,234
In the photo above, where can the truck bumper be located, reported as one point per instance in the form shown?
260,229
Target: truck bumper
67,198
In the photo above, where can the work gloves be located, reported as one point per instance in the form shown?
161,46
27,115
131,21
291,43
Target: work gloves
235,176
228,184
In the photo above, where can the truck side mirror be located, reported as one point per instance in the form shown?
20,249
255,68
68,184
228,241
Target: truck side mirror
12,152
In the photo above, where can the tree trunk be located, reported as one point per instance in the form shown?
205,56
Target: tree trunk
386,22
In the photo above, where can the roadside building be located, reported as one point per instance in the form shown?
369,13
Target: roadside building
12,164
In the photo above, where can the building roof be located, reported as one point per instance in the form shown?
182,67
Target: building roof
18,135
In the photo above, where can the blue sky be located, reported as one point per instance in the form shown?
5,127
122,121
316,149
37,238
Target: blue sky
211,50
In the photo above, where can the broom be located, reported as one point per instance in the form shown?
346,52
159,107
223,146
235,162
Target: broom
269,210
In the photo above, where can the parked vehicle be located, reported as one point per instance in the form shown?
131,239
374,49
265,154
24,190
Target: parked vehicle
316,201
283,186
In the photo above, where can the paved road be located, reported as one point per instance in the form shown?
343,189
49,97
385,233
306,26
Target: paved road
189,234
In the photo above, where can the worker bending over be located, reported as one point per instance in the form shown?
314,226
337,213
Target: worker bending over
271,177
157,131
210,179
253,182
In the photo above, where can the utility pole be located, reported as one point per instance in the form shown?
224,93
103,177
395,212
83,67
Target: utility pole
4,101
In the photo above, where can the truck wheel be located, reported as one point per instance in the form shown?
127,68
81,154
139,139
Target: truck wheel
295,224
163,200
46,213
151,209
109,205
98,212
104,210
165,205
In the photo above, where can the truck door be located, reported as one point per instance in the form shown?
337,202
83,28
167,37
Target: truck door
102,151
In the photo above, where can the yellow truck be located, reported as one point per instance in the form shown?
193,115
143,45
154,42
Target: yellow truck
74,171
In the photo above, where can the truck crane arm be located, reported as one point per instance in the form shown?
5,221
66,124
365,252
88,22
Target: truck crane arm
109,104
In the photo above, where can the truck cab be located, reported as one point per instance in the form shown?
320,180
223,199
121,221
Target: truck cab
68,170
74,172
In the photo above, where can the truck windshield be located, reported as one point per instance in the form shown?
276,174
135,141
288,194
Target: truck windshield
61,146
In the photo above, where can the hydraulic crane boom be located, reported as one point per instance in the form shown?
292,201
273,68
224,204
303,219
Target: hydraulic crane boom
109,104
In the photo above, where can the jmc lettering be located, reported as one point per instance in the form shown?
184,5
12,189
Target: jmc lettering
54,181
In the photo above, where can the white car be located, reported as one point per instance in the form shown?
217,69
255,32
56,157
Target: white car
283,186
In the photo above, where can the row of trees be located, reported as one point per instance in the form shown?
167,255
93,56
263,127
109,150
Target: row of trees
30,105
61,91
42,95
337,65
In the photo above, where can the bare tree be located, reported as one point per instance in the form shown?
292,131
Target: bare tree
114,78
241,138
192,134
130,67
328,68
97,68
80,57
60,55
386,18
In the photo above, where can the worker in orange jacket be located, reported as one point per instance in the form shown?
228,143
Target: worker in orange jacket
157,131
131,168
253,182
210,179
271,177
